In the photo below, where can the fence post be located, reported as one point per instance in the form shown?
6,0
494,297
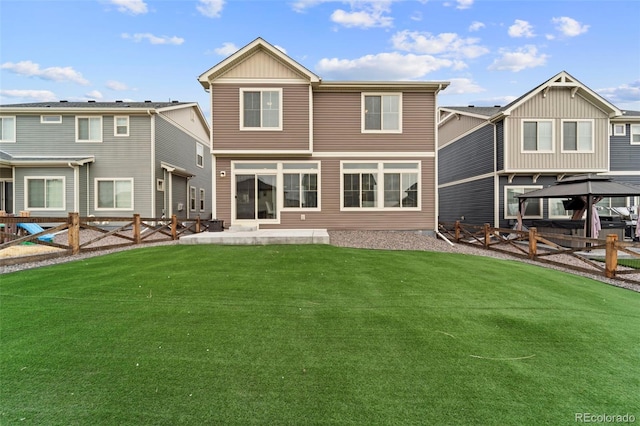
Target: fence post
487,235
74,232
136,228
457,231
533,242
198,224
174,227
611,257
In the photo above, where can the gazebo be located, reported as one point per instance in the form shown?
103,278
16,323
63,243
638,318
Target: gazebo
584,191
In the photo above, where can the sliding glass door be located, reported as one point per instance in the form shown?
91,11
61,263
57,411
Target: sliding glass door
255,196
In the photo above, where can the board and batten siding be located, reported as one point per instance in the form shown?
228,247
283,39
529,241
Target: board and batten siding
188,119
330,217
469,156
558,104
471,202
226,120
337,124
455,127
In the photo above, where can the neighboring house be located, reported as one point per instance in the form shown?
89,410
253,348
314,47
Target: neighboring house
105,159
293,151
487,156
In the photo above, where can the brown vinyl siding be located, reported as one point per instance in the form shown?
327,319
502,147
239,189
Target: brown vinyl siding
226,120
337,124
330,217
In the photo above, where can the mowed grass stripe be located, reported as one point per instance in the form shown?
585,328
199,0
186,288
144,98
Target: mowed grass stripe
312,335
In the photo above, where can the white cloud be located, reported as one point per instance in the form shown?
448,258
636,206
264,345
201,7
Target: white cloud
461,4
476,26
445,44
138,37
362,19
135,7
226,49
569,27
460,86
210,8
521,29
31,95
31,69
383,66
280,48
523,58
116,85
622,94
94,94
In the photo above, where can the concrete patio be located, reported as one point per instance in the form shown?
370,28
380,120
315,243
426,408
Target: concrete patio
259,237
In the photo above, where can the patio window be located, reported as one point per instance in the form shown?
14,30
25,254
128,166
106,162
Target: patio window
380,185
114,194
533,209
45,193
557,209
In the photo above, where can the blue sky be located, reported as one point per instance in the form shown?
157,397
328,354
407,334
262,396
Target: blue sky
491,51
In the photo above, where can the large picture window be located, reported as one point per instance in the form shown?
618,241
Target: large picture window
537,136
300,185
45,193
533,208
380,185
577,136
261,109
382,113
89,129
114,194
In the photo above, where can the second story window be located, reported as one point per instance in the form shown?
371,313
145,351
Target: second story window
7,129
577,136
635,134
382,113
121,126
261,109
199,155
88,129
537,136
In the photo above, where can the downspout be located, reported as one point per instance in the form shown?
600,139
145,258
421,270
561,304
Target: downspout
76,186
435,161
152,169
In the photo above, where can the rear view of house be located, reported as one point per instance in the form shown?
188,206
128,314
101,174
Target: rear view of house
293,151
105,159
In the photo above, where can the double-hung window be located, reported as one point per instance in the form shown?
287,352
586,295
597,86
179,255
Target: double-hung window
619,129
199,155
45,193
114,194
260,109
192,198
533,206
7,129
382,113
300,185
537,136
635,134
88,129
380,185
121,126
202,199
577,136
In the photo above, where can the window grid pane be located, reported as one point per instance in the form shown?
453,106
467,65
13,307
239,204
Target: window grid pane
251,109
372,113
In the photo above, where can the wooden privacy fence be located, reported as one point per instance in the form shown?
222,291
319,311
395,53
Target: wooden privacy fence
104,233
557,249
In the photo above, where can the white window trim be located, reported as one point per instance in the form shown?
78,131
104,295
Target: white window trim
26,193
577,151
44,121
95,194
115,126
506,201
316,171
280,114
553,216
553,136
78,140
193,198
14,128
631,133
202,200
380,171
362,114
199,154
615,133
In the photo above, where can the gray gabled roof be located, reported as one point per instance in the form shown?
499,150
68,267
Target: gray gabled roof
35,160
98,105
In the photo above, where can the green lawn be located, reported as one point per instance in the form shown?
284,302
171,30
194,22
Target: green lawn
312,335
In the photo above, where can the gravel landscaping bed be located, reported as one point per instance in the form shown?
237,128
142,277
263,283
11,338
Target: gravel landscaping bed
384,240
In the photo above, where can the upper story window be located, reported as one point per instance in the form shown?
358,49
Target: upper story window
121,126
199,155
577,136
7,129
537,136
381,113
635,134
88,129
51,119
260,109
619,129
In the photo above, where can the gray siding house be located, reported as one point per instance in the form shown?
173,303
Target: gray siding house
487,156
105,159
291,150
